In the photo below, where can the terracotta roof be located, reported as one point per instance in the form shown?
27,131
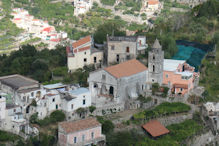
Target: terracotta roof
74,126
185,86
81,41
155,128
48,29
127,68
83,49
153,2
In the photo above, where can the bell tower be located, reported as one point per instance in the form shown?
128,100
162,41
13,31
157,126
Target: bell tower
155,63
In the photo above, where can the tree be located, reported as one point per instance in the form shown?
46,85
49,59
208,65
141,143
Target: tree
92,109
57,116
34,118
105,29
107,126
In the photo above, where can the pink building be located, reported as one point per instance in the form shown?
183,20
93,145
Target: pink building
80,133
179,76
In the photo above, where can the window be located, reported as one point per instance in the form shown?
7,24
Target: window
103,77
84,101
153,57
127,49
83,137
117,57
14,110
75,139
181,89
153,68
95,59
57,106
85,53
92,135
53,100
72,106
113,47
32,94
166,75
85,59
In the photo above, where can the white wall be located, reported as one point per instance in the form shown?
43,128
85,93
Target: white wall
77,102
2,108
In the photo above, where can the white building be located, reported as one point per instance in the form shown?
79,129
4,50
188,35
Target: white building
14,121
75,99
82,6
22,89
2,107
82,52
211,108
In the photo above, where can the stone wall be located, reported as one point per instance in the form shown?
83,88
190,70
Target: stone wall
178,118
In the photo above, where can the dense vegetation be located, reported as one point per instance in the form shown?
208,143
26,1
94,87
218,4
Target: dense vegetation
165,108
56,116
30,62
6,136
210,73
108,2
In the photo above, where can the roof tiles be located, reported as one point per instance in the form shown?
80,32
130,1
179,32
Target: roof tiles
127,68
81,41
74,126
155,128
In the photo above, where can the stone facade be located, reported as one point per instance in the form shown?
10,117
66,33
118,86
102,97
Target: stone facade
120,49
155,63
108,89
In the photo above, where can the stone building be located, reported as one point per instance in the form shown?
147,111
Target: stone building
123,48
22,89
111,87
82,52
155,63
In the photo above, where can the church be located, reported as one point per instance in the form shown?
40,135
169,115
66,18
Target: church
112,87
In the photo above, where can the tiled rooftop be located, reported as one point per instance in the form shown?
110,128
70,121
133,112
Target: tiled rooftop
74,126
155,128
126,69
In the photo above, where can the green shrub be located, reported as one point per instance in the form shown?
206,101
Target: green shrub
57,116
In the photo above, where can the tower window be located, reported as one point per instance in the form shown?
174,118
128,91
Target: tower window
153,68
127,49
85,59
95,59
153,57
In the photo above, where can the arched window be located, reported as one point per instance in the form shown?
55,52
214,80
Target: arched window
153,68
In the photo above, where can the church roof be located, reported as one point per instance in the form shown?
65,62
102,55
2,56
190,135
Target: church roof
156,44
126,68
